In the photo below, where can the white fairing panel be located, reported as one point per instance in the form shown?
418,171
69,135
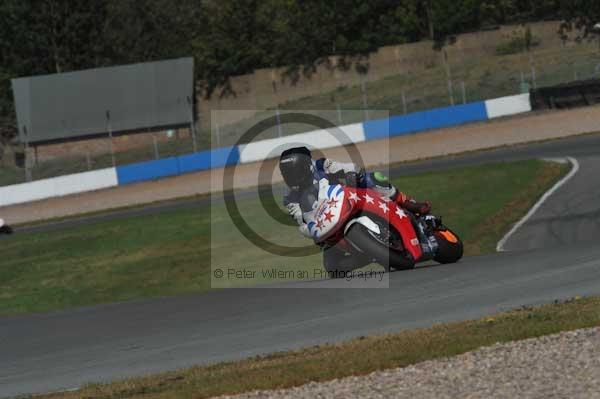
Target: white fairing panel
327,213
365,221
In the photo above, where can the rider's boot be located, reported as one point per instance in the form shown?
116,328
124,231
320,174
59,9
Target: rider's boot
425,233
426,237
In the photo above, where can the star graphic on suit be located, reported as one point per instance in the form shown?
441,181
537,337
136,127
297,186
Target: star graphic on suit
368,199
400,213
384,207
332,203
354,196
319,224
328,216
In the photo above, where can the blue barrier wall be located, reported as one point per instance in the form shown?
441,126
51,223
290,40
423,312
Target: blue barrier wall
217,158
225,156
173,166
425,120
149,170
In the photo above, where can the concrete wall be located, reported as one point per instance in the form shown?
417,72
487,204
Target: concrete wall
426,120
506,106
317,139
58,186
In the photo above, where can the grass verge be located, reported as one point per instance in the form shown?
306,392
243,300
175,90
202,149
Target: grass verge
356,357
172,252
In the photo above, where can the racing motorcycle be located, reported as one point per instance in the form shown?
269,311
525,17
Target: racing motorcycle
362,222
4,228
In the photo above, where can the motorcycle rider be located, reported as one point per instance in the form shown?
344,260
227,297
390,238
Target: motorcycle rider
4,228
301,174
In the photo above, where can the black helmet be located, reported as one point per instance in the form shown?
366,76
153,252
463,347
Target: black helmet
295,165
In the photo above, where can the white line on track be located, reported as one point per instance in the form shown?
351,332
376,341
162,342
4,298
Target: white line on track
547,194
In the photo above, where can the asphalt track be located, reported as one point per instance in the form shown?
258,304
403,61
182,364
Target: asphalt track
63,350
569,216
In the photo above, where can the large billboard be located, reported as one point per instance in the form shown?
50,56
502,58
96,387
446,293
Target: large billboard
85,103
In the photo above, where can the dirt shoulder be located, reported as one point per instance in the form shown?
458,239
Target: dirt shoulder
439,142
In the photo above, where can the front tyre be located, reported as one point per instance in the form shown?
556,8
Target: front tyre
450,247
373,247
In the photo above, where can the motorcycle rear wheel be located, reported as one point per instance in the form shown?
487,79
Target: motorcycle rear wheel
367,242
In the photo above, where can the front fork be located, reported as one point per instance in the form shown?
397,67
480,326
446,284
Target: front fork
424,227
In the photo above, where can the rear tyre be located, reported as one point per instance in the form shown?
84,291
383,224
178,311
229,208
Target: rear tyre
372,247
336,262
6,229
450,247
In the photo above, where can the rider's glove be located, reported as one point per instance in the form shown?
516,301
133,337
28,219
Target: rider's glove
295,212
332,167
421,208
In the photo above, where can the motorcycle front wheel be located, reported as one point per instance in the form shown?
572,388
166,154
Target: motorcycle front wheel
450,247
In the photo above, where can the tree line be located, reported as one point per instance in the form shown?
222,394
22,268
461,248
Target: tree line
233,37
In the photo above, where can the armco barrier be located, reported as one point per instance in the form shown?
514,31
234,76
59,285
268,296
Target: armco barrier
316,139
173,166
425,120
58,186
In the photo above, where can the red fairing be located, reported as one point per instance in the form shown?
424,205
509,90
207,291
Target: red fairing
367,200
